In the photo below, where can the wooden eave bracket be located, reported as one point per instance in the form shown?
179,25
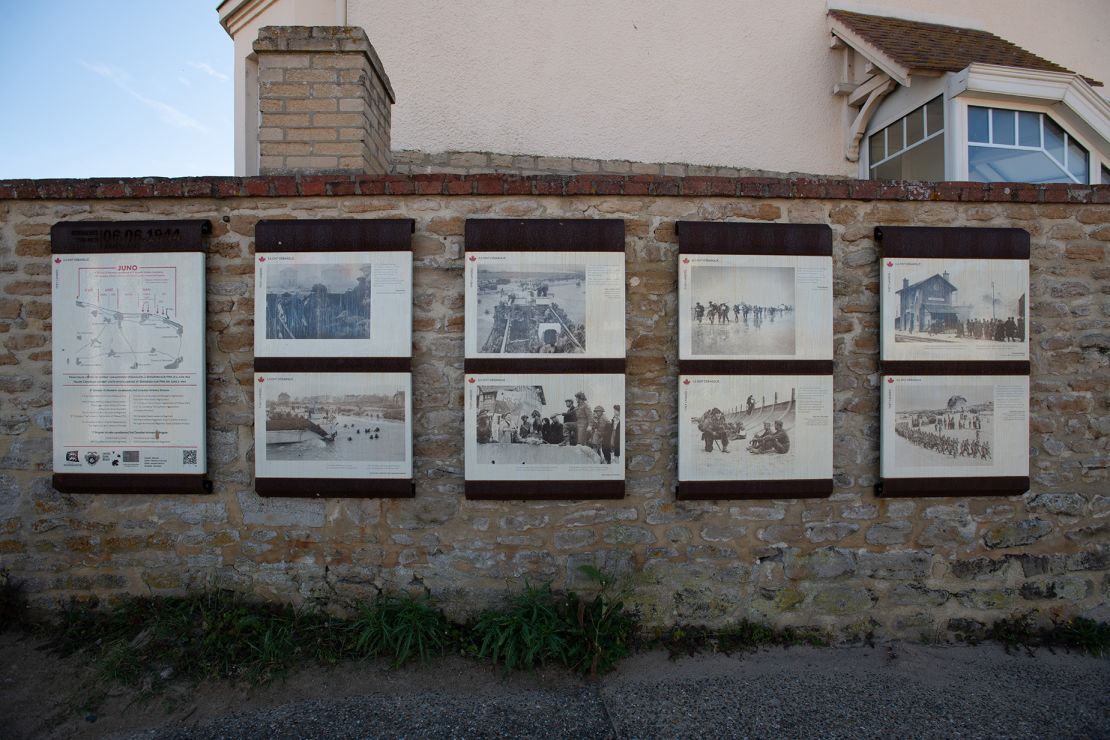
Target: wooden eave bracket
863,117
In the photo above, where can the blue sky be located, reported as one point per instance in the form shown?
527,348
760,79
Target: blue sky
114,88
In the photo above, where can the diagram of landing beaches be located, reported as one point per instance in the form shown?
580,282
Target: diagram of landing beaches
139,331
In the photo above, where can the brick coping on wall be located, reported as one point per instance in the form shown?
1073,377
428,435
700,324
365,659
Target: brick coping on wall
538,185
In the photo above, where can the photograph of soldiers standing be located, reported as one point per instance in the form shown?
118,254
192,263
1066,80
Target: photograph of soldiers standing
578,426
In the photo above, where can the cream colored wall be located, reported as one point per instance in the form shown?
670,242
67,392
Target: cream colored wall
742,83
246,17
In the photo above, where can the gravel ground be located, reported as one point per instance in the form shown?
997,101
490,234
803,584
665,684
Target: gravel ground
903,691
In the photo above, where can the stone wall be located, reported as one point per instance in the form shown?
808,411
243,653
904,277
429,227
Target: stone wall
904,567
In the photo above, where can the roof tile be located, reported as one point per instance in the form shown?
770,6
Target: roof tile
930,47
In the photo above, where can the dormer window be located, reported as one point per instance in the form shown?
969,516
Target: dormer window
926,101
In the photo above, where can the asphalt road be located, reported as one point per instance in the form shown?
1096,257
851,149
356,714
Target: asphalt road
903,691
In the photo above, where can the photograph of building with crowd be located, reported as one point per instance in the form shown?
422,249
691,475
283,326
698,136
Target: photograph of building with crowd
318,301
525,425
943,424
741,311
334,417
969,303
532,309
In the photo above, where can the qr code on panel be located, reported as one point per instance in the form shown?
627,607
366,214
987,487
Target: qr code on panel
131,456
188,457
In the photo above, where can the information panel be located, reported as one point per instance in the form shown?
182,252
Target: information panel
333,358
545,359
129,361
755,306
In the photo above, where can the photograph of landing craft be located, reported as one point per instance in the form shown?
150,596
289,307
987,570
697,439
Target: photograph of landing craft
120,331
349,427
537,309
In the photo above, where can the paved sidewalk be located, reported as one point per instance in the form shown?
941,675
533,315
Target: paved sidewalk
905,691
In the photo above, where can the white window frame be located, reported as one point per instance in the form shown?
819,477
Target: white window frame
1056,95
886,138
960,158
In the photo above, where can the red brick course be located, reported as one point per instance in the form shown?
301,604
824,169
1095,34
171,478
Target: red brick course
507,184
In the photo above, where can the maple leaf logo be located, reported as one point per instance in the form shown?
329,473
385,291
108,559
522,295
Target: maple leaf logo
261,259
890,380
472,380
472,258
686,381
889,263
57,260
685,260
261,380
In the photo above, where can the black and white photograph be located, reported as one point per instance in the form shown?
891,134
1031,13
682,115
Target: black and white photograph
328,424
952,426
951,309
319,302
537,309
755,307
333,304
745,427
545,426
944,425
742,311
534,304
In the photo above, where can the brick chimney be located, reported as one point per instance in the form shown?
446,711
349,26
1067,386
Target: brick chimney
324,100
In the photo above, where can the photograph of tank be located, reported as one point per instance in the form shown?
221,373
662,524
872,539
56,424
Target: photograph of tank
943,424
318,301
956,309
529,309
334,417
741,311
535,425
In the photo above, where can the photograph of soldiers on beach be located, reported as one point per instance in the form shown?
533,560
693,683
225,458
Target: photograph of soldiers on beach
532,309
547,423
945,424
745,427
318,301
955,309
316,421
742,311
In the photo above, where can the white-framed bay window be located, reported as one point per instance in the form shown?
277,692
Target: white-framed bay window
991,124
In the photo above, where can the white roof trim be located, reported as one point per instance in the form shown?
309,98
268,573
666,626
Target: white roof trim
870,52
1052,87
234,14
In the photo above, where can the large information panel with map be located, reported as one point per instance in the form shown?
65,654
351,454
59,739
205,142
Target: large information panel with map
129,362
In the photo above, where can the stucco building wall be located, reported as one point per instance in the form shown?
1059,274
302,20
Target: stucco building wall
906,567
733,84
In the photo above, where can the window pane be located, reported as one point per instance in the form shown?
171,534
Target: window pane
1077,160
977,126
1003,127
915,126
934,115
894,133
1054,139
1105,175
925,161
1011,165
876,151
1029,129
891,170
